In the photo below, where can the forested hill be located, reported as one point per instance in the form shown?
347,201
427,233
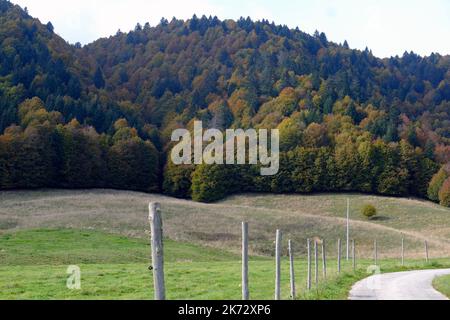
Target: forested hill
102,114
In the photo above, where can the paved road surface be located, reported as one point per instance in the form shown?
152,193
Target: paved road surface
410,285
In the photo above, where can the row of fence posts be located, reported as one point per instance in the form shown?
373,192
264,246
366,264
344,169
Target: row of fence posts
293,293
158,258
312,252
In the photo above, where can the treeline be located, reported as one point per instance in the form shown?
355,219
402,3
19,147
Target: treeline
360,165
43,151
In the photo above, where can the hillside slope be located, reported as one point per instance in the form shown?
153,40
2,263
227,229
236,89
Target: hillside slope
218,225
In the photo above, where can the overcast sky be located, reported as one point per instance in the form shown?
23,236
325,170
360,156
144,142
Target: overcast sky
388,27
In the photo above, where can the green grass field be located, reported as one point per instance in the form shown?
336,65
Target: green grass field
442,284
33,265
105,233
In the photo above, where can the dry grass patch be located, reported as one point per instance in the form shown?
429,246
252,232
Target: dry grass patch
218,225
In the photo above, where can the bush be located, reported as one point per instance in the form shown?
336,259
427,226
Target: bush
369,211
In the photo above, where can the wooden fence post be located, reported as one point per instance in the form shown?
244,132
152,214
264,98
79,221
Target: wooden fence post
426,251
348,231
339,255
375,252
308,279
316,264
245,291
324,260
157,250
403,251
278,266
354,255
291,270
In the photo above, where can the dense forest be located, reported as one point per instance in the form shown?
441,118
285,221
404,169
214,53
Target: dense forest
102,115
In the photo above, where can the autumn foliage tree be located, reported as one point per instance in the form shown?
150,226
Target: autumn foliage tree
211,183
436,183
444,193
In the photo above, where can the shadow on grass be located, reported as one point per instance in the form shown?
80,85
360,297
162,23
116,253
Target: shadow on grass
380,218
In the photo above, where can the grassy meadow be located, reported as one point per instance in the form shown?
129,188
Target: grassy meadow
217,225
105,233
33,265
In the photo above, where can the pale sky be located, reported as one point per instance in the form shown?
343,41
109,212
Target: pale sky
388,27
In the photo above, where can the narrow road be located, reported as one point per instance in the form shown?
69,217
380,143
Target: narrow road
410,285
